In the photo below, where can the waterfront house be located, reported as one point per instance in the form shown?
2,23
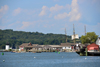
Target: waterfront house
37,47
98,41
26,46
56,47
93,47
66,46
71,46
47,47
62,47
51,47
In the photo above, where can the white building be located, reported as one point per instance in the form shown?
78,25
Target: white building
67,46
7,47
75,36
98,41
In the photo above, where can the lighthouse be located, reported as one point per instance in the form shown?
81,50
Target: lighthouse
7,46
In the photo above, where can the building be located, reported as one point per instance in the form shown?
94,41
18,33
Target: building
37,47
26,46
62,47
7,47
72,46
66,46
93,47
98,41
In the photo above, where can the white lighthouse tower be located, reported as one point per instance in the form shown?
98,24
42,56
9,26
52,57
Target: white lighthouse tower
7,47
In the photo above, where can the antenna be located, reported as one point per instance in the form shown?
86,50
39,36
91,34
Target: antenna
74,33
65,35
85,29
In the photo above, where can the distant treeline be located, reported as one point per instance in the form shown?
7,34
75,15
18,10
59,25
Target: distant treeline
16,38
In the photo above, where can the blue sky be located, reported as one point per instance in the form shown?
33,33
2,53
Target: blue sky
50,16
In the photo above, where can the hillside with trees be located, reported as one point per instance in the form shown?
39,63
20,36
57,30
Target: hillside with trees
16,38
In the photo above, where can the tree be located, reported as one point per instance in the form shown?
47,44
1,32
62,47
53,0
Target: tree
90,37
18,37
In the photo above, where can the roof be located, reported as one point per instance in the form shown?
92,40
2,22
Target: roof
28,45
67,44
24,44
54,46
93,45
47,46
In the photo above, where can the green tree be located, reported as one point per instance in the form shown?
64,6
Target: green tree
18,37
90,37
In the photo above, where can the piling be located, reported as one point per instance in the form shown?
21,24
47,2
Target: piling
86,51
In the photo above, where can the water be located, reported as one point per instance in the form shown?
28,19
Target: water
48,59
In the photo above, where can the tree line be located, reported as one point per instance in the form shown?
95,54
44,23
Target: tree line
90,37
16,38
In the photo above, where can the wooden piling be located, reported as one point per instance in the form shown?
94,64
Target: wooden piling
86,51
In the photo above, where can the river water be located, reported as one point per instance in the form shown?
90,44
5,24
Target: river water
48,59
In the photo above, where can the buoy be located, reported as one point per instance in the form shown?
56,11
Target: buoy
85,58
3,60
2,53
58,52
34,57
55,51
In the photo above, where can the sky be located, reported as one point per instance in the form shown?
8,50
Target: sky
51,16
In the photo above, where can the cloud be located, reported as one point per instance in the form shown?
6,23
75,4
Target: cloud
3,10
74,14
56,8
29,24
16,11
61,16
44,11
25,25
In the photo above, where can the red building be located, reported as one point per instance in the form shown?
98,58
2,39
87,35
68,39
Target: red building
93,47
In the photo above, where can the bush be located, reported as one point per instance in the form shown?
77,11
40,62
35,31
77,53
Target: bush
10,49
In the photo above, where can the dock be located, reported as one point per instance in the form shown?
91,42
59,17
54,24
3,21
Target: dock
88,53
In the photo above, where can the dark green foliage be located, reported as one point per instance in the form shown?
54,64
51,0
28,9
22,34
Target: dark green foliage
10,49
90,37
15,38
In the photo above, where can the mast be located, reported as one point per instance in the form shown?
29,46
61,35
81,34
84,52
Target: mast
85,29
65,35
74,33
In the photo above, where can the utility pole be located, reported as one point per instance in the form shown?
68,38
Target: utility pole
74,33
65,35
